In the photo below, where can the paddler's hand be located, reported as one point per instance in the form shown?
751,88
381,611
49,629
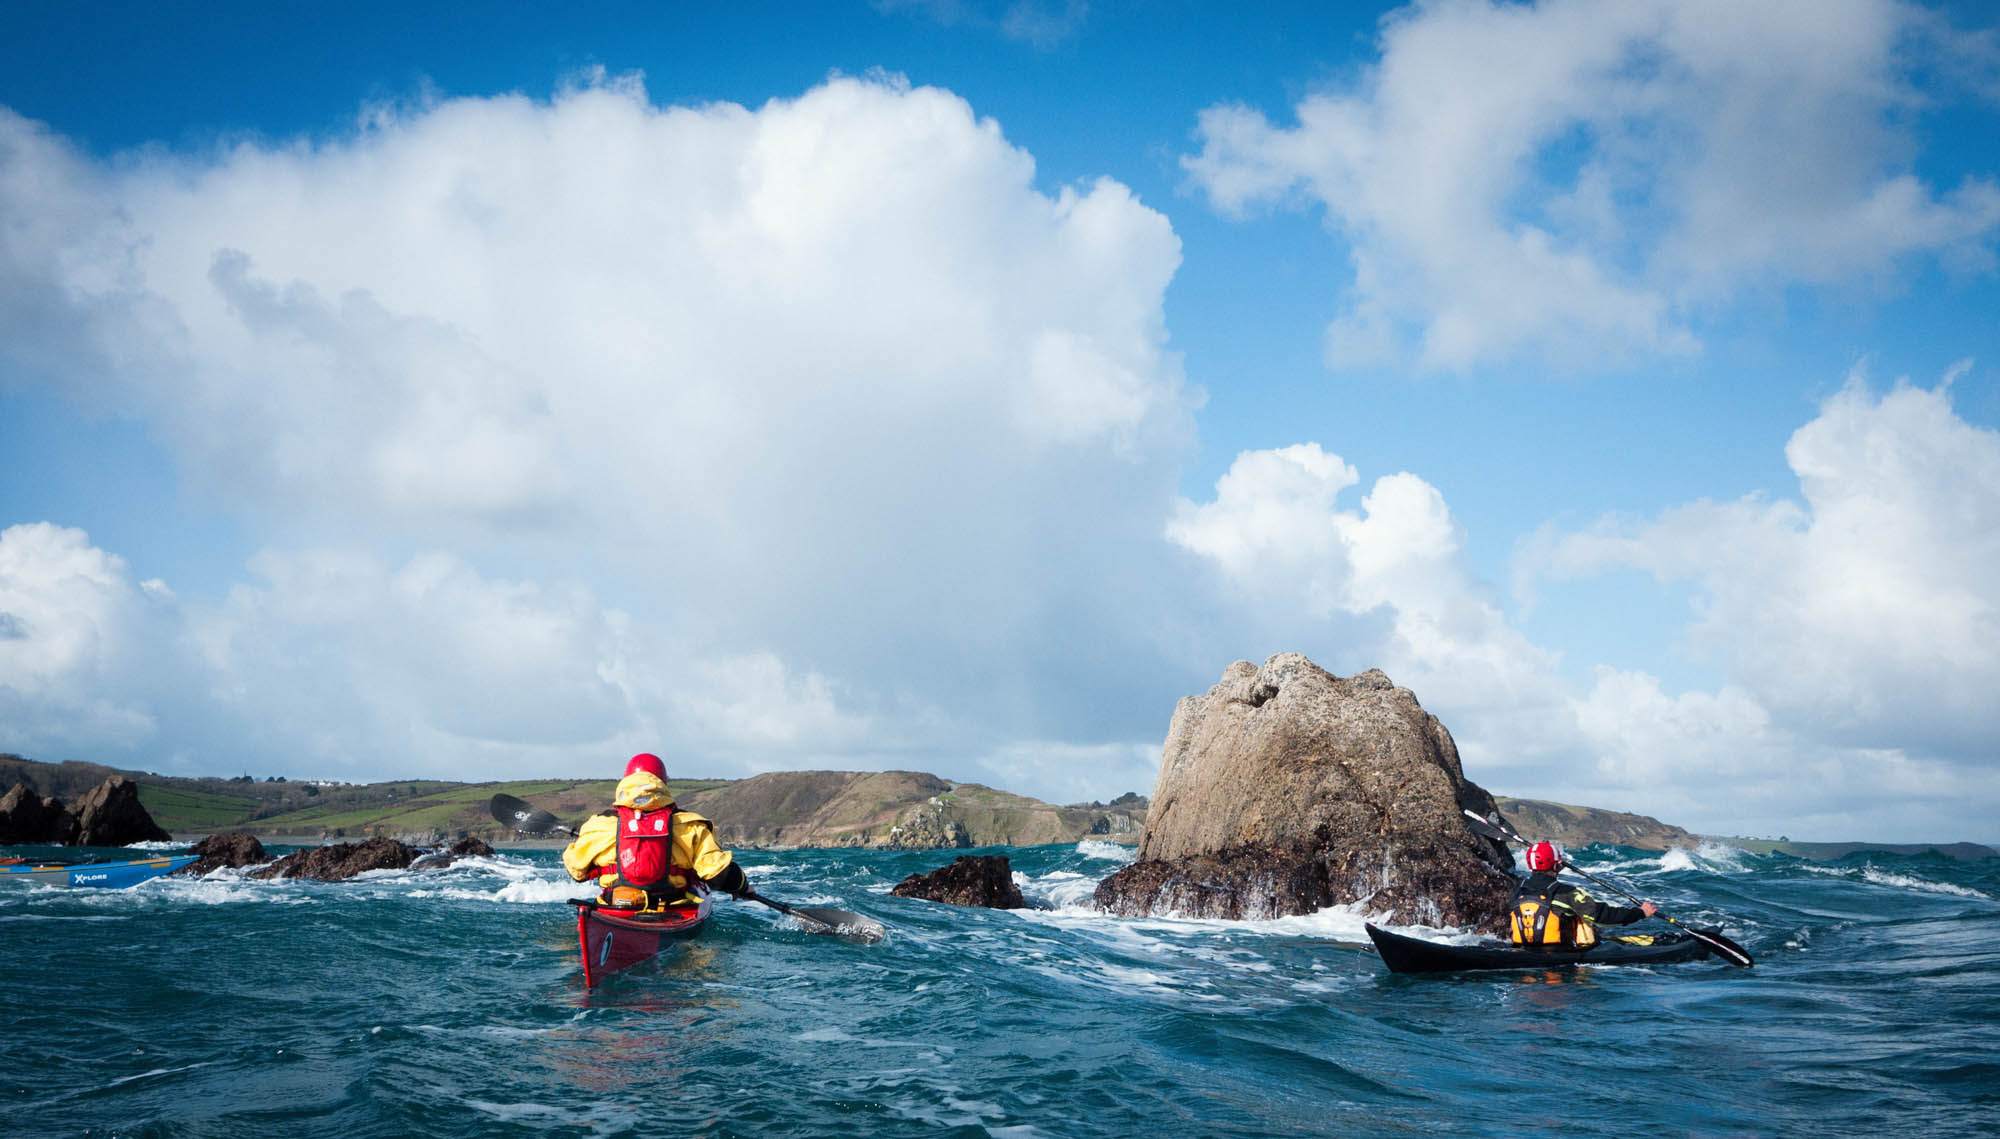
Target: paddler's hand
1649,908
732,882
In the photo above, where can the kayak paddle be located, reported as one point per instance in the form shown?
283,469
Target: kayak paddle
524,818
1727,949
821,919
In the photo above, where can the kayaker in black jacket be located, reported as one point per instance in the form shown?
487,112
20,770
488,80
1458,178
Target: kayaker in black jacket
1550,912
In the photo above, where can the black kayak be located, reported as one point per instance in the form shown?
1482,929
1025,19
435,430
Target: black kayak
1415,955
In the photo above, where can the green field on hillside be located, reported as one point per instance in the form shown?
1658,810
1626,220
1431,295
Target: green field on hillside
179,810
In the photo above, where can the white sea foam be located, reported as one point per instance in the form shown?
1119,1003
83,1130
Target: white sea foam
222,887
1710,857
1880,877
1096,848
1062,889
1908,882
156,844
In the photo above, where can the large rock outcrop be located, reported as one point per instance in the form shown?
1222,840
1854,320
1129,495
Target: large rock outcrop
108,814
26,817
971,880
1285,788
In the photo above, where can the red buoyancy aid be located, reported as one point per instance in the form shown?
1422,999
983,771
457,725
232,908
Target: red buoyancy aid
646,848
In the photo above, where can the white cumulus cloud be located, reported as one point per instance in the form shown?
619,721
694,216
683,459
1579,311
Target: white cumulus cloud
1867,613
855,421
1577,181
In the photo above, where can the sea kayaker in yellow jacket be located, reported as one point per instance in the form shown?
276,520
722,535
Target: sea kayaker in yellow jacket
645,852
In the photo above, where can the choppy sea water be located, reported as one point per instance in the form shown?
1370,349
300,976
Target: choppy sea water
451,1004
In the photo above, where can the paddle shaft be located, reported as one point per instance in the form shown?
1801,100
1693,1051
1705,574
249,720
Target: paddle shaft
1730,951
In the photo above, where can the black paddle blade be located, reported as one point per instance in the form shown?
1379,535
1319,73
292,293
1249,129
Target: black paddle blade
840,923
1724,948
522,817
1485,829
822,919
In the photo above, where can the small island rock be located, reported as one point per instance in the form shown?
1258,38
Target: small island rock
971,880
1285,789
236,849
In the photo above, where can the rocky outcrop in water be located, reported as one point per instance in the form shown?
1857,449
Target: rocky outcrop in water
109,814
343,860
26,817
347,859
217,851
1284,789
971,880
463,848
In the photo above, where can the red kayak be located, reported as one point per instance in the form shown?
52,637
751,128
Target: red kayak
619,939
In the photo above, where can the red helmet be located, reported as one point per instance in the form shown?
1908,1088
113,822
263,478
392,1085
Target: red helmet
1544,856
648,762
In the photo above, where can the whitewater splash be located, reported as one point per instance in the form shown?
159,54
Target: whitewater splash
1910,882
1110,851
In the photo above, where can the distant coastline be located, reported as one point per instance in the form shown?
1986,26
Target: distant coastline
777,811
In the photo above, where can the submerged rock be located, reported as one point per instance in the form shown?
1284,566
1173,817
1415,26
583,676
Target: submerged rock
971,880
1285,789
236,849
441,858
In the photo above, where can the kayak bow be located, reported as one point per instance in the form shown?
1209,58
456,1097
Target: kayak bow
1415,955
613,939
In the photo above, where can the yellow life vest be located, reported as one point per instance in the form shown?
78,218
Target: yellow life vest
1537,920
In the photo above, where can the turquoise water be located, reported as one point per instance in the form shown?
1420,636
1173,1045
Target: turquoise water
451,1004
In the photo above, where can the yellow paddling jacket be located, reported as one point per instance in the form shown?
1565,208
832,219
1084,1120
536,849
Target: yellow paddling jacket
595,849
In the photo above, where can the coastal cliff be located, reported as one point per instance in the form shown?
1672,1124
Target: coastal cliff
1580,826
896,810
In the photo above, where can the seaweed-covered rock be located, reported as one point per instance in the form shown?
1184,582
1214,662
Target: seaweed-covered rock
1285,788
971,880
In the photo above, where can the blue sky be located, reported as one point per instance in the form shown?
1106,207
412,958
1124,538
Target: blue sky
955,386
